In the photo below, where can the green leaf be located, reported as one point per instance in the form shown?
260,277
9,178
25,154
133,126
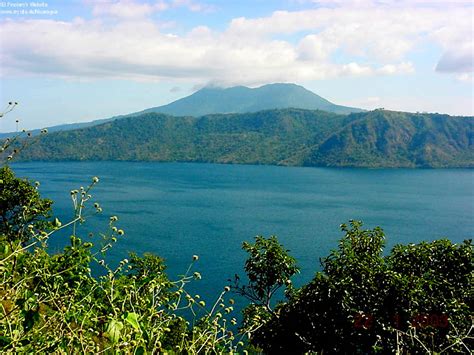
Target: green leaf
132,319
114,329
5,341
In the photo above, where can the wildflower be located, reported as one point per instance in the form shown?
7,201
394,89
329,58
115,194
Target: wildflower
227,289
95,180
197,276
195,257
120,232
202,304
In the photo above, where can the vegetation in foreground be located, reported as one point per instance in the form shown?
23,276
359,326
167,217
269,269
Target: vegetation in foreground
416,299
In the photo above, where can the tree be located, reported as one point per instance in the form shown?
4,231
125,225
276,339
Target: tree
21,208
414,300
268,268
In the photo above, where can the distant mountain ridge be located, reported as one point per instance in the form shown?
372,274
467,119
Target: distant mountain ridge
280,137
238,99
241,99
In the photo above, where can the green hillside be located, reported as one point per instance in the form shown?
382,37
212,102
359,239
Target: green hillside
284,137
394,139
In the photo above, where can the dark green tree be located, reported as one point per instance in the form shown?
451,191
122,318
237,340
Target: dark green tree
416,300
268,268
21,207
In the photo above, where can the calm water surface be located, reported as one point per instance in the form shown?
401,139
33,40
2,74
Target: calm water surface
180,209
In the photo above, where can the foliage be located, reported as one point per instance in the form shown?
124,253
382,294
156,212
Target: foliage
280,137
21,208
417,299
53,303
268,268
396,139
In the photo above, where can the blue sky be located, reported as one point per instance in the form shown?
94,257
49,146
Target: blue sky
79,60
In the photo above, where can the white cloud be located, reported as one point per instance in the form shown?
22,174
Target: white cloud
369,39
192,5
127,9
402,68
466,77
457,60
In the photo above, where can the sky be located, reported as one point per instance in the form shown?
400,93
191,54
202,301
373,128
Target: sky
79,60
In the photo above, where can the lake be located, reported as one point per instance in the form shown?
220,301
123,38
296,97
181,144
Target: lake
177,210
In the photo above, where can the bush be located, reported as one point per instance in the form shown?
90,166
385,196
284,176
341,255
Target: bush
417,299
52,303
20,207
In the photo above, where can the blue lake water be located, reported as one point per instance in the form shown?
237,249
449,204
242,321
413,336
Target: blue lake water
177,210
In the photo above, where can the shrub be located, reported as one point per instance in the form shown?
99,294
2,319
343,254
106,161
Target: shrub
21,209
52,303
417,299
